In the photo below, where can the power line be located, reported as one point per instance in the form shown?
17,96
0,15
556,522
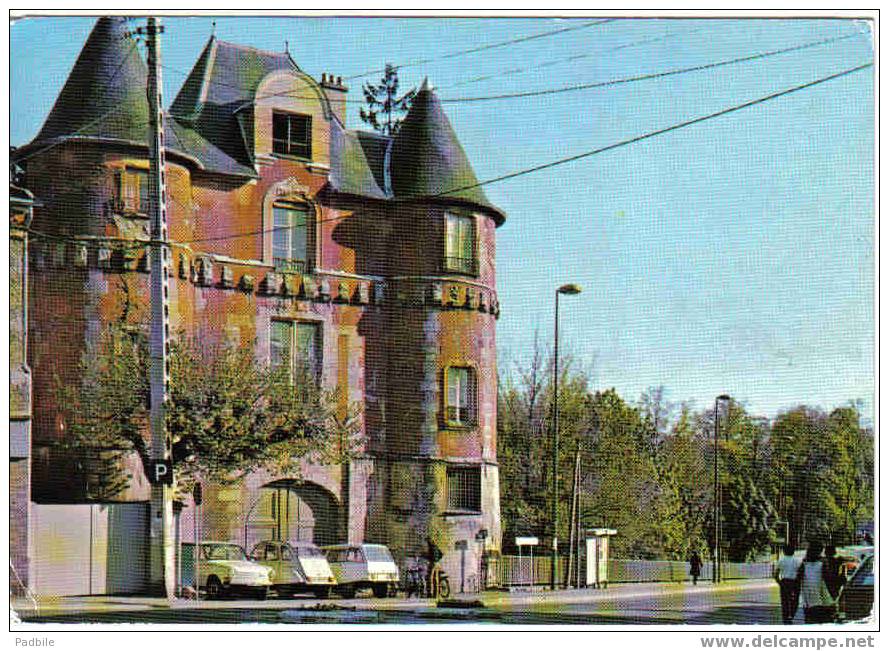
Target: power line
562,161
653,75
651,134
483,48
623,80
458,53
91,123
575,57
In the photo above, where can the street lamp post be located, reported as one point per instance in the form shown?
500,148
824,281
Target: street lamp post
570,290
717,492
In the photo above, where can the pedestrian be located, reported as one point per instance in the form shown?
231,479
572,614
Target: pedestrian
834,571
786,574
818,604
694,566
433,556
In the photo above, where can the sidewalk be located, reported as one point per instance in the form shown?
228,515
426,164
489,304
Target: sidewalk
93,605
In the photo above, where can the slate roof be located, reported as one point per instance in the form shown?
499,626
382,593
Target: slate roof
210,122
104,99
104,95
428,161
358,162
216,99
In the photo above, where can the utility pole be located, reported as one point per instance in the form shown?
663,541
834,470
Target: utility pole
573,526
162,573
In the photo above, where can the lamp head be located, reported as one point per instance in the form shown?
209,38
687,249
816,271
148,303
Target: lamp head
724,397
570,289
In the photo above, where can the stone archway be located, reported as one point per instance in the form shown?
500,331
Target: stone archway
294,510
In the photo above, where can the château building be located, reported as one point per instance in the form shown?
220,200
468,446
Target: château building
372,256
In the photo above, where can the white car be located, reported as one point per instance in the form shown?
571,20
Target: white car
223,569
298,567
363,566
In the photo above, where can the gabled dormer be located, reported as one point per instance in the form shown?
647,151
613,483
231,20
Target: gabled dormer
257,106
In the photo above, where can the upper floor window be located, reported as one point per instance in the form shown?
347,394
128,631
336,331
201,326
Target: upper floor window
460,397
460,244
292,134
132,191
464,488
290,237
296,345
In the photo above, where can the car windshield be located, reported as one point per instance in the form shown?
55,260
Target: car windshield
309,551
223,552
865,574
378,554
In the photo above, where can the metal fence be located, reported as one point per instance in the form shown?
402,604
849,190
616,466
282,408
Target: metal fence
513,571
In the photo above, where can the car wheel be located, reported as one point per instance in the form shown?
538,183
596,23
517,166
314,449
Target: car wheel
348,591
214,588
381,590
262,593
322,592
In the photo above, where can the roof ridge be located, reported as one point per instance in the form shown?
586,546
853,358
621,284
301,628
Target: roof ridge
240,46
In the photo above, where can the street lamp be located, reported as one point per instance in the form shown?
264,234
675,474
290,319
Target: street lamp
569,290
717,493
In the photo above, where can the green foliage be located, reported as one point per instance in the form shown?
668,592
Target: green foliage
227,414
824,472
647,468
384,107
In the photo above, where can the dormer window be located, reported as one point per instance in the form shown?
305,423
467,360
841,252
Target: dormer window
292,134
132,191
290,237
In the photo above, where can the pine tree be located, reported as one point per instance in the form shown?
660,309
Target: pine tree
383,103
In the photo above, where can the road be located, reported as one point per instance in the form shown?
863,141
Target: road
741,602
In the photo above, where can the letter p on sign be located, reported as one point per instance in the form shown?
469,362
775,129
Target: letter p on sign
160,472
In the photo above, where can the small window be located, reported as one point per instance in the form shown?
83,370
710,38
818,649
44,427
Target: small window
271,553
292,134
460,244
290,238
460,396
297,345
464,488
132,191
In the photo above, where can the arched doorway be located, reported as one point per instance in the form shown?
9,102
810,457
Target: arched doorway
293,510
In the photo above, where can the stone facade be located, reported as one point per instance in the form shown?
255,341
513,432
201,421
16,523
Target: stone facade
21,206
393,317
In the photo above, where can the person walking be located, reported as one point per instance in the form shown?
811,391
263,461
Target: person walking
834,571
818,604
694,566
433,556
786,574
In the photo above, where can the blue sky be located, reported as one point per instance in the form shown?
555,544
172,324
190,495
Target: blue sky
733,256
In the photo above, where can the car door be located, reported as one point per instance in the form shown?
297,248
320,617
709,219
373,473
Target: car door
273,561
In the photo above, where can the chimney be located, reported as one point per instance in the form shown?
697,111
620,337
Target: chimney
336,93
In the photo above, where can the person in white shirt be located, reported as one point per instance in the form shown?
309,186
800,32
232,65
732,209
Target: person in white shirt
786,573
818,604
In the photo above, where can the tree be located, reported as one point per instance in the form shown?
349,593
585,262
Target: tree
383,102
823,467
228,414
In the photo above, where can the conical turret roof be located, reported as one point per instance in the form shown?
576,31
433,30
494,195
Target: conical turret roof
427,160
104,96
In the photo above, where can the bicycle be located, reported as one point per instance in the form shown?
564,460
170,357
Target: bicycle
440,587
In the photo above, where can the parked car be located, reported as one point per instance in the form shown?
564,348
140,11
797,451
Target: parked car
298,567
363,566
857,597
853,555
224,569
